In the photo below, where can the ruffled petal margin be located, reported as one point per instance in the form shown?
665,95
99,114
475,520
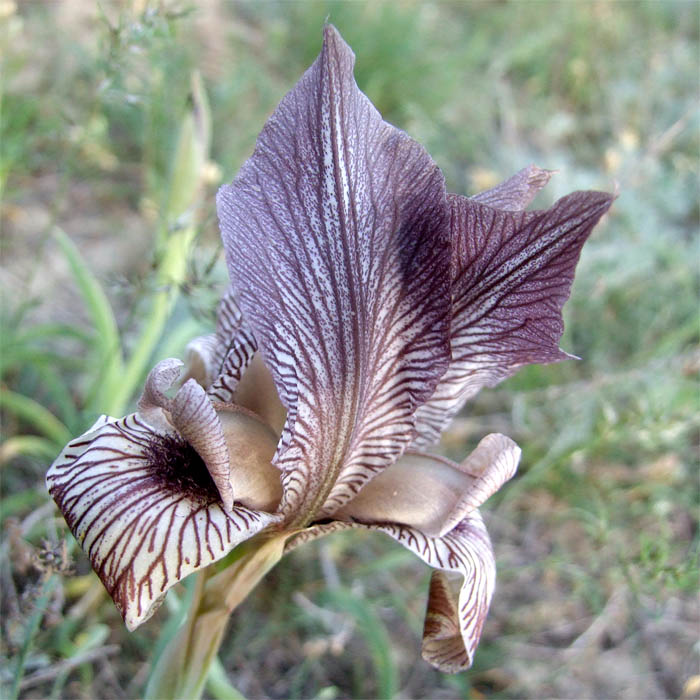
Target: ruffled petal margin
145,510
511,276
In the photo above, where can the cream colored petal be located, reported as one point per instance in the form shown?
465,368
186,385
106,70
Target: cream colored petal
433,494
144,509
418,490
490,465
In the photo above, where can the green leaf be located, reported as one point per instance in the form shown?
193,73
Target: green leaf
101,314
34,413
375,634
28,446
30,632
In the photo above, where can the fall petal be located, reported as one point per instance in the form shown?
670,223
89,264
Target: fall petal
431,493
516,193
336,242
465,551
460,591
145,510
511,275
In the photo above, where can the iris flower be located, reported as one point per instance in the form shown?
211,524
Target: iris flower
367,305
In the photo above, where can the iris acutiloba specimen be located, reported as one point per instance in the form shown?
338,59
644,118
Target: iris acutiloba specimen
367,305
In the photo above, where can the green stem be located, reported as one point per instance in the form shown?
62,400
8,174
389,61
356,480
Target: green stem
183,667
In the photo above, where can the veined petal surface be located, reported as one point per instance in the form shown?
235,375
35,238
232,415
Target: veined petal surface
217,361
335,234
511,275
456,613
235,349
145,510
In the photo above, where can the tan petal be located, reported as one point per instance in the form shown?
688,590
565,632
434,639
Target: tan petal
251,445
256,391
433,494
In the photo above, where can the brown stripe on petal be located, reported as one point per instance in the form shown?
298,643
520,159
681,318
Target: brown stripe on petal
511,275
336,238
145,511
459,598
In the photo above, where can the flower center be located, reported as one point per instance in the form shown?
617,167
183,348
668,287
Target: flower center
176,465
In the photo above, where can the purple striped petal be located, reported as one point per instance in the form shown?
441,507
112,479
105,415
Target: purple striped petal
145,510
235,350
335,234
217,361
511,275
460,591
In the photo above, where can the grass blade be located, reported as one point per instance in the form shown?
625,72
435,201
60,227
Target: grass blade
32,628
101,313
34,413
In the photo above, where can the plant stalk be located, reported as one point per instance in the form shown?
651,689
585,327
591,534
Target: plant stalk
183,667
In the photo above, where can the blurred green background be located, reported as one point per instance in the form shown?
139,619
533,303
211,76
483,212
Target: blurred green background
597,537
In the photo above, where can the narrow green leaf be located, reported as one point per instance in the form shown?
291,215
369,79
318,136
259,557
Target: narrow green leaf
375,634
34,413
101,314
30,632
21,502
27,446
219,685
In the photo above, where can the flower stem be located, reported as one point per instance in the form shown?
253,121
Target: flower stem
182,669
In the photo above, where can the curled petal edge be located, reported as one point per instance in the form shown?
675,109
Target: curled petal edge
191,414
431,493
456,613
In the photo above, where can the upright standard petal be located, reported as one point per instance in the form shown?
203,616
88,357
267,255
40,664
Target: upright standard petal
511,275
144,508
217,361
335,234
